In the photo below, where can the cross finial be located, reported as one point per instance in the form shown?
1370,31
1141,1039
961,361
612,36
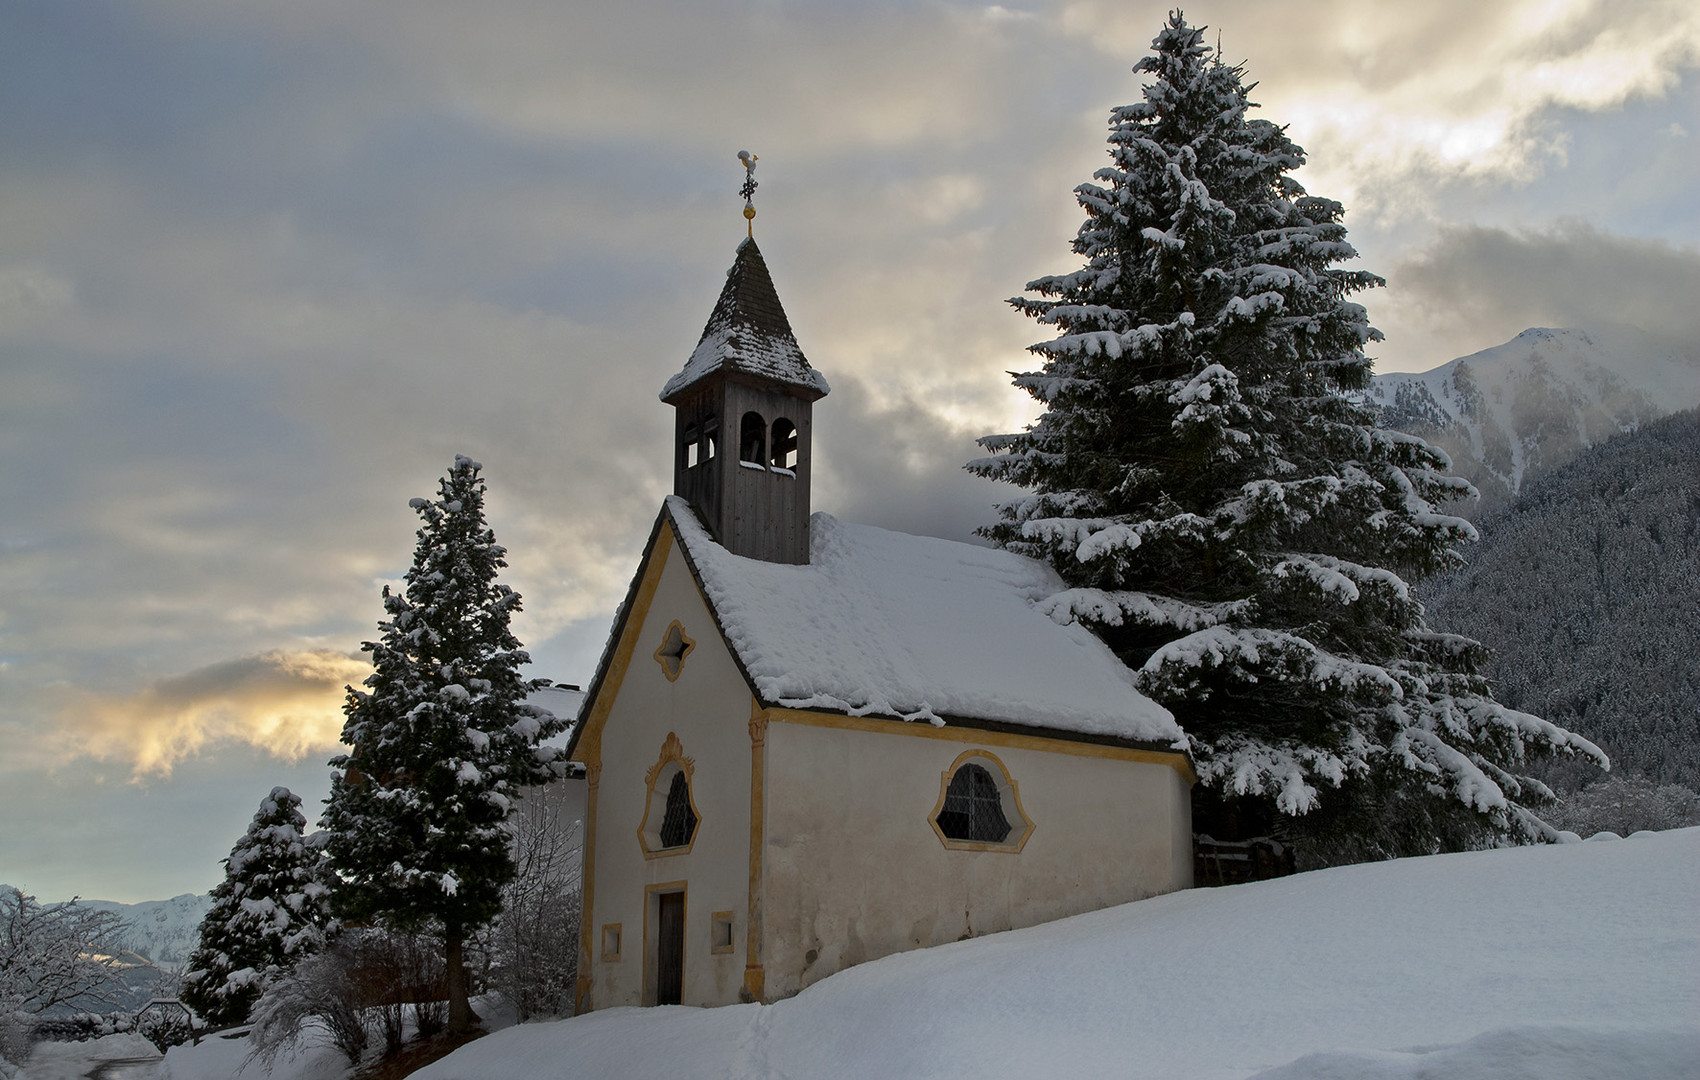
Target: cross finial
748,191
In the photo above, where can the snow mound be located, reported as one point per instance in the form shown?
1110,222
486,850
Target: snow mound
1549,1053
889,624
1577,960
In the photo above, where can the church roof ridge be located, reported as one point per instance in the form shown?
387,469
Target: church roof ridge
748,333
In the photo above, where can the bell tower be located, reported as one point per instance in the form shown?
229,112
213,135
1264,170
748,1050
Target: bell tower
742,423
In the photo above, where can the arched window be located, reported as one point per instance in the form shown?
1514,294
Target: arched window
752,439
670,815
979,807
973,809
784,444
679,824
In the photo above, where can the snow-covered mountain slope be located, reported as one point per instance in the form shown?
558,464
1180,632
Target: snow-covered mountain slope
1512,412
1575,960
163,931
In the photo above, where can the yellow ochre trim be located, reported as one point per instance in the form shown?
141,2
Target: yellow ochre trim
920,729
673,665
1012,847
583,1000
755,979
589,749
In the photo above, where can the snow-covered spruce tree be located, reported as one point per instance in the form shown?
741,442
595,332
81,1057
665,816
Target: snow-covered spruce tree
1228,516
271,910
441,742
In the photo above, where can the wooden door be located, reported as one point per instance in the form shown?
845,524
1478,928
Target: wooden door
670,949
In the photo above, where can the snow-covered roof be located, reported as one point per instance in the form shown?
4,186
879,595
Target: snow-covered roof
563,702
748,332
884,623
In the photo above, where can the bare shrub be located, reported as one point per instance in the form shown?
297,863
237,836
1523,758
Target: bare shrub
397,969
534,943
430,1017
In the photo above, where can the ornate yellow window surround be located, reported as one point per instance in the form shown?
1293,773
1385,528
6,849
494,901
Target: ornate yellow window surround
675,646
672,762
1021,826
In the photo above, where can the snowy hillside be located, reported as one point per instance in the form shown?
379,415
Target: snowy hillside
163,931
1509,413
1571,961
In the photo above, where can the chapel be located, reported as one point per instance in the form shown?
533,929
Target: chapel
809,743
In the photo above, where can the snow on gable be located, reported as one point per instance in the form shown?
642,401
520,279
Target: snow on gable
884,623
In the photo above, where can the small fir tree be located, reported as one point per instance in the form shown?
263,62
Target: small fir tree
441,742
1228,515
269,912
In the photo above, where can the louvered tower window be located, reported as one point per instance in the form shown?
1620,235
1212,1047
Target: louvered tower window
680,820
973,808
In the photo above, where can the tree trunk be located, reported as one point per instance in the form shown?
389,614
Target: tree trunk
461,1016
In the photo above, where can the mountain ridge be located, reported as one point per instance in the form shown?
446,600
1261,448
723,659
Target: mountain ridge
1509,414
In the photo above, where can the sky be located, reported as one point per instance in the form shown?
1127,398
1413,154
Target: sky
266,268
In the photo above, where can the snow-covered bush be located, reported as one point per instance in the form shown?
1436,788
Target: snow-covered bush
317,1000
1626,804
16,1035
165,1028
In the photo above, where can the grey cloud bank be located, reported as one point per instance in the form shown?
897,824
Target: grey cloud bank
264,271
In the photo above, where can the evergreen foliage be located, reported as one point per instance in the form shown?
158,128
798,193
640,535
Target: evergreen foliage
270,911
1587,588
1228,515
442,741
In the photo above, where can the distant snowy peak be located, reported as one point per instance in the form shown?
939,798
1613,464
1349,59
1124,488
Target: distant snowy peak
163,931
1512,412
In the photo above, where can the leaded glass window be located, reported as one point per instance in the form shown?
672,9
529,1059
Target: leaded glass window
680,820
973,808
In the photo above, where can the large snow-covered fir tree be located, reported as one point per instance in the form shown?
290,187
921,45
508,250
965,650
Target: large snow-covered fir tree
441,741
1228,515
271,910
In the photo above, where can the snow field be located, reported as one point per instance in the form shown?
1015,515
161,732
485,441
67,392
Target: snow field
1566,961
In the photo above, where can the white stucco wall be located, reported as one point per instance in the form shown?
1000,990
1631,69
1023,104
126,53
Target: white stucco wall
708,707
855,871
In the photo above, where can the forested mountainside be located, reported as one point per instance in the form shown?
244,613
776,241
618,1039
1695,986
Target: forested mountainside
1511,414
1588,588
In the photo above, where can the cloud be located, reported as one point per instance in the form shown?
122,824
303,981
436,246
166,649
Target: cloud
1476,286
1391,99
284,704
269,267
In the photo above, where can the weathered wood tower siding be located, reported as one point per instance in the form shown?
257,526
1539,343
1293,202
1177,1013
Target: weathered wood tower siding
751,501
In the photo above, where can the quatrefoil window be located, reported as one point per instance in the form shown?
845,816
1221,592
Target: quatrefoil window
675,646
